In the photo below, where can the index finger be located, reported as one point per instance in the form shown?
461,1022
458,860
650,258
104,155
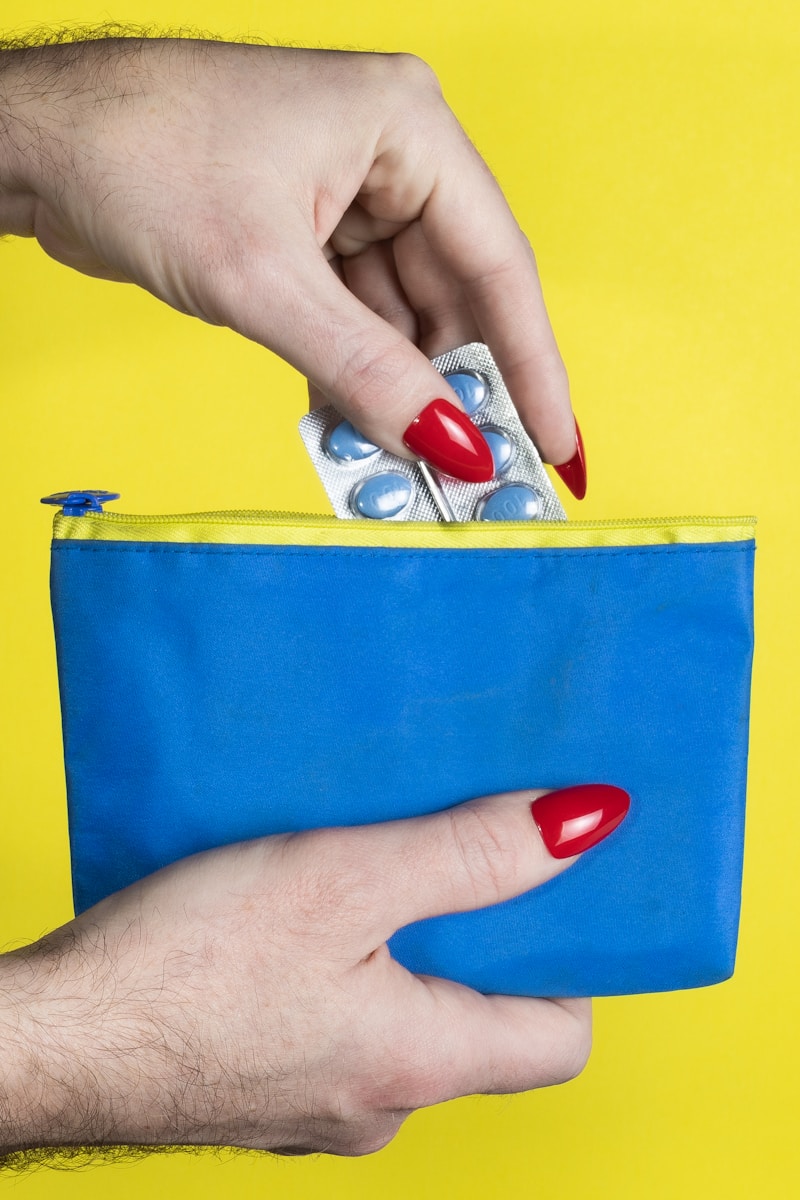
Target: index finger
471,227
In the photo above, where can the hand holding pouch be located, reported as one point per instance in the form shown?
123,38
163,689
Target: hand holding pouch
225,676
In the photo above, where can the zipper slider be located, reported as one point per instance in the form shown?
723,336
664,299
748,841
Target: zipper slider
77,504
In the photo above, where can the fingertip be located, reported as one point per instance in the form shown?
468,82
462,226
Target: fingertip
573,820
573,471
445,437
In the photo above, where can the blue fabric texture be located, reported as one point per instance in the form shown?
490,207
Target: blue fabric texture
213,693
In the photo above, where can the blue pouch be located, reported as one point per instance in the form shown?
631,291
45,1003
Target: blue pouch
229,675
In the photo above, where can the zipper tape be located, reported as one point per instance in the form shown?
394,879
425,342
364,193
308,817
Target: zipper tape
237,527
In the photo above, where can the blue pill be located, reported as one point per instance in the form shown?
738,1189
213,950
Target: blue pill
382,496
501,447
346,444
514,502
471,389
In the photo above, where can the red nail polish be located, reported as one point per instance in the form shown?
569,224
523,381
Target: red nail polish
446,438
574,472
576,818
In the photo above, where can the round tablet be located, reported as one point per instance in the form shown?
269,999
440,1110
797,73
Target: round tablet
501,447
513,502
382,496
346,444
471,389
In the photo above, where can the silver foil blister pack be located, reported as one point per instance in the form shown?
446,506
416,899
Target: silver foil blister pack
364,481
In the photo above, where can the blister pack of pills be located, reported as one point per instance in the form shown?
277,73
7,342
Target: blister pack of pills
363,480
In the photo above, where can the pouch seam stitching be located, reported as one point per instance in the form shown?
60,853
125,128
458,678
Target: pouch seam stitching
416,552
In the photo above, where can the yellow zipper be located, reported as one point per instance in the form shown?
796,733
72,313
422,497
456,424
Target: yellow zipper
237,527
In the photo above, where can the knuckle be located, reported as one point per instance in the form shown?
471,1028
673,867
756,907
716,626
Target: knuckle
366,378
363,1117
485,281
489,855
408,1075
413,70
398,78
398,314
374,1134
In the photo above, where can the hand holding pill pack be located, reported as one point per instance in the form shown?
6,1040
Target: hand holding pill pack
363,480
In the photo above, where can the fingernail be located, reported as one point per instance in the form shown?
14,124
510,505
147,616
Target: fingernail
576,818
574,472
446,438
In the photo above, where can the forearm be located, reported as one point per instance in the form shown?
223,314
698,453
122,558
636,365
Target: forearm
39,86
102,1046
52,99
48,1096
81,1063
18,144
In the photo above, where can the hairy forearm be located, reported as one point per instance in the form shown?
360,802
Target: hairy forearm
36,1107
82,1064
53,97
101,1047
17,146
50,1084
40,90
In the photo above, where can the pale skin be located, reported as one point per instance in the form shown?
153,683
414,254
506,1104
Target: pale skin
246,996
228,180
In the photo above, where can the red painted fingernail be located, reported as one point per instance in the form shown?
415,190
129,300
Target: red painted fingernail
446,438
574,472
576,818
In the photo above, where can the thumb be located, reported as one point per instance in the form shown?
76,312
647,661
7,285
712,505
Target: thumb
486,851
372,374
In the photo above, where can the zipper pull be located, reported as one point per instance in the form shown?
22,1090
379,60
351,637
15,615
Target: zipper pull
77,504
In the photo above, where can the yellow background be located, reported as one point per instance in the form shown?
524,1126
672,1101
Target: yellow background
650,152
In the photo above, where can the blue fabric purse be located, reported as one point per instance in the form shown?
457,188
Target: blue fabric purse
229,675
